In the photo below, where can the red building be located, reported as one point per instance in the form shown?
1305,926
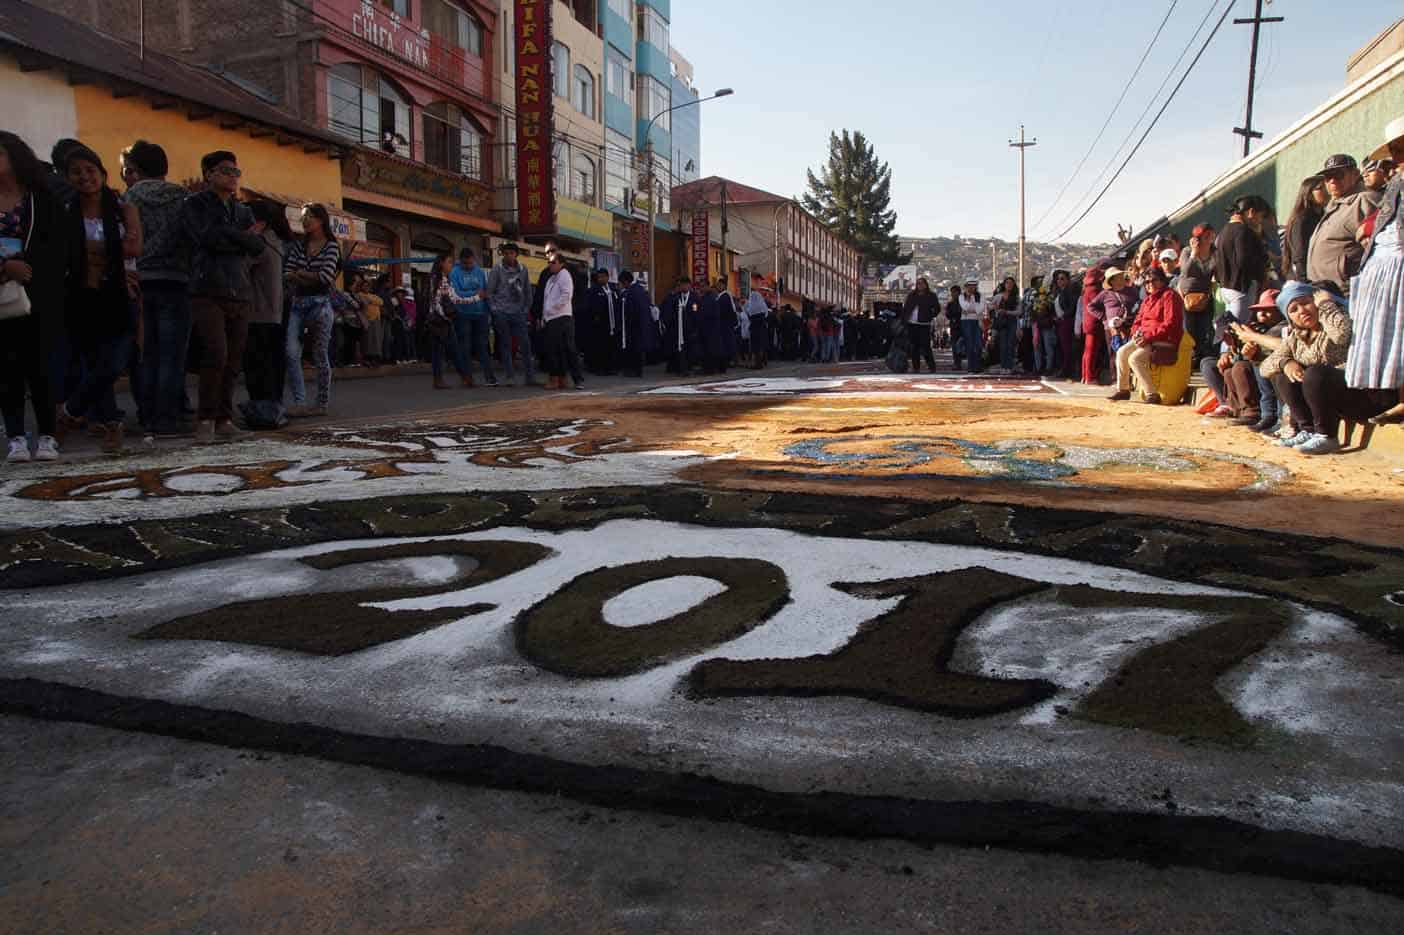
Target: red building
409,83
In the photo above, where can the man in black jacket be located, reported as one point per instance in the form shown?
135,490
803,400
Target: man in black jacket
219,229
602,325
1240,257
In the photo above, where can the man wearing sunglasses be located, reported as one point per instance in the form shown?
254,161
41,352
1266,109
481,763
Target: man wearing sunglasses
219,228
1335,253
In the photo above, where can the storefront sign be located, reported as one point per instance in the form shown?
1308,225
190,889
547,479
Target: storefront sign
701,246
372,172
384,29
631,240
536,192
584,222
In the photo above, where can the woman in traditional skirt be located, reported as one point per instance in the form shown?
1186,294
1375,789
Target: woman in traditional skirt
1376,359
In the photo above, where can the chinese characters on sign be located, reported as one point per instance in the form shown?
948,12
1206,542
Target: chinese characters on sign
701,246
384,29
536,194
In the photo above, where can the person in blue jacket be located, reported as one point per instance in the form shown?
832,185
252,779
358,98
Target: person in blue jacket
474,319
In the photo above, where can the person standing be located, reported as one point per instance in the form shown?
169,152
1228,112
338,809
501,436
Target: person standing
557,301
1376,360
919,311
472,316
603,333
972,306
953,316
727,323
37,248
263,352
1065,294
164,270
680,307
309,271
1241,260
1301,224
99,300
638,332
510,294
758,315
1196,288
219,227
1094,332
1005,311
1334,254
440,323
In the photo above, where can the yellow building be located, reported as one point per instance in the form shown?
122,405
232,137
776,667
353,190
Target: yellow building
61,79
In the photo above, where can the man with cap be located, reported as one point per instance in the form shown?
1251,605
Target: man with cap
1240,256
1169,260
1375,173
510,294
603,328
1335,254
1196,287
638,335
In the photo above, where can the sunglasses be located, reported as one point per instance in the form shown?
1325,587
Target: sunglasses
233,172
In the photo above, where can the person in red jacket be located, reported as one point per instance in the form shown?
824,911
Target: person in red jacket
1094,332
1161,321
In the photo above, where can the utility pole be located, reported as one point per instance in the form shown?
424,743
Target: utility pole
1021,146
994,269
652,262
1246,131
726,273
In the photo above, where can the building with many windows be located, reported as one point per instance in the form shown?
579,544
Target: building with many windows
776,238
687,123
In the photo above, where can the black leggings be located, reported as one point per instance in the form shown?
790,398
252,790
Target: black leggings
1322,398
919,346
22,366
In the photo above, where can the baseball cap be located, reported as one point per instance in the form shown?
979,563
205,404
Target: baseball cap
1201,229
1370,165
1169,255
1338,162
1267,300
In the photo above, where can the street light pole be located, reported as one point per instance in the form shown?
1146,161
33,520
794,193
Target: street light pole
1021,145
652,203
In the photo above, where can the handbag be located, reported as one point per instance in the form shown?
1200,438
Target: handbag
1164,354
14,298
1197,301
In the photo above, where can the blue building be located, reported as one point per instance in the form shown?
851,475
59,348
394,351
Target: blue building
687,123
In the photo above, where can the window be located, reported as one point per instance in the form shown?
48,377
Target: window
654,101
622,8
582,179
582,91
663,186
617,72
560,70
366,108
561,168
451,141
453,25
653,29
401,7
619,161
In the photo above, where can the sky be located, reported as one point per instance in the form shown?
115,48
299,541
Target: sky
941,87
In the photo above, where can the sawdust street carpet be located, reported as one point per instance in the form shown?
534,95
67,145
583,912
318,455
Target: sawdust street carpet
930,618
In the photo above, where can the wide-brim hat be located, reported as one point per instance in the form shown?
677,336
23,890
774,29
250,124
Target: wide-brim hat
1393,131
1112,272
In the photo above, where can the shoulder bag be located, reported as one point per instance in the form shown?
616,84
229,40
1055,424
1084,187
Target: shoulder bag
14,298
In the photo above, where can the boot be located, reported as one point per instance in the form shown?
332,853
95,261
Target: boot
440,384
468,383
113,434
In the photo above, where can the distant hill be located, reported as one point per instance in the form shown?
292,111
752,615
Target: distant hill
953,259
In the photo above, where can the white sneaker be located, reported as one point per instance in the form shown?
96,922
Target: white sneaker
46,449
19,449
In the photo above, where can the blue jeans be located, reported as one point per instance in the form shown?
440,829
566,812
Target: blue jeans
510,326
1269,406
315,314
1045,348
104,360
473,343
166,318
1008,345
974,345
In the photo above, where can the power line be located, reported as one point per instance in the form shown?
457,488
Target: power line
1188,71
1106,123
1126,140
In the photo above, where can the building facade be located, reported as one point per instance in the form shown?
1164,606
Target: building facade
775,238
687,123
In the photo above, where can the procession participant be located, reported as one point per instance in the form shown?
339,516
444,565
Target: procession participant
727,322
708,325
637,331
556,309
100,315
758,314
36,249
604,336
679,309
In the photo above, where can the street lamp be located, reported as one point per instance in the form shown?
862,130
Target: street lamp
648,150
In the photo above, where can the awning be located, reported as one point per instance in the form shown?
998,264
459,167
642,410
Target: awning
345,226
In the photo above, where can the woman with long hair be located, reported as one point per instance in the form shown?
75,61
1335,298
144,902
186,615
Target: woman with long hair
439,320
920,311
1301,223
1005,313
35,254
263,354
309,269
972,309
101,315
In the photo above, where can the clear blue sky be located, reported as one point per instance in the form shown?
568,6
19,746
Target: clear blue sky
940,86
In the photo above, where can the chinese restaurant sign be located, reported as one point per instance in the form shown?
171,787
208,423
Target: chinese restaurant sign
536,195
370,171
701,244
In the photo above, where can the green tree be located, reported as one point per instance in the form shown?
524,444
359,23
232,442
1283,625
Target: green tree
852,195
